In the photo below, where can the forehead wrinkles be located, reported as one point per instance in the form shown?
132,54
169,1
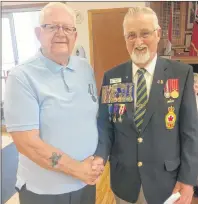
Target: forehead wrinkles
58,15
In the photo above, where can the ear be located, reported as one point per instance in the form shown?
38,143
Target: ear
76,35
37,31
159,34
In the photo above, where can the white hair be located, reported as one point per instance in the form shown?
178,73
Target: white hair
196,78
134,11
56,5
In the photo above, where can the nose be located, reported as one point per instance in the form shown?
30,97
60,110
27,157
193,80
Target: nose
60,31
138,41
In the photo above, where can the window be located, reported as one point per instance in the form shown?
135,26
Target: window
8,58
27,44
19,42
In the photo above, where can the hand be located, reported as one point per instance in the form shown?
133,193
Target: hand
186,192
84,171
98,164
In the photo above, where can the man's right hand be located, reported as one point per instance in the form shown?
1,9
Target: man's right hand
85,173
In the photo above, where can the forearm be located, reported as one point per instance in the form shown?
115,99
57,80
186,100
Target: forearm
46,155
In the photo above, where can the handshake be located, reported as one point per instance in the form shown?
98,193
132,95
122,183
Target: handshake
89,170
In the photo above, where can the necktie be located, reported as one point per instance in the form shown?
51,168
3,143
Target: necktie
141,99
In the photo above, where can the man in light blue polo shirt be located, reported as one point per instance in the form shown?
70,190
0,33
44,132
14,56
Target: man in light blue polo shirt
50,110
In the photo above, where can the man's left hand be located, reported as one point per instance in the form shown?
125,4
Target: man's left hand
186,192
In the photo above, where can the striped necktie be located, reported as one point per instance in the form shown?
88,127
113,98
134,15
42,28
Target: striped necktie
141,99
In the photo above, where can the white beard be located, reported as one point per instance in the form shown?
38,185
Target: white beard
196,96
140,58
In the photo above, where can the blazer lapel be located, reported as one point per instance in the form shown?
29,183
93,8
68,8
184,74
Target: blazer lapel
156,91
130,106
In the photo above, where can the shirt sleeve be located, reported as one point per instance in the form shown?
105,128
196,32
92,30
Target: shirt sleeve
21,107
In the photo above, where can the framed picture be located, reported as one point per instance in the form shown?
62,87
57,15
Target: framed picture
191,9
187,42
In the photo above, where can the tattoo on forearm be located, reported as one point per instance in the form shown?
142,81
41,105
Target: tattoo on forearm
55,158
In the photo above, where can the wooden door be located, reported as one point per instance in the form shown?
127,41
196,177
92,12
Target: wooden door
107,44
107,49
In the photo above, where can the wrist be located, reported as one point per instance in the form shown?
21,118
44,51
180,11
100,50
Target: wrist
70,167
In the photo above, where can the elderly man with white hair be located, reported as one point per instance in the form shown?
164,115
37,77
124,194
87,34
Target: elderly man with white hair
147,119
50,110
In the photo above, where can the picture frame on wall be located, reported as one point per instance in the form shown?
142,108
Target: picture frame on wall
191,9
187,42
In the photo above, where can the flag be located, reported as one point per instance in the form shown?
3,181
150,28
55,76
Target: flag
170,30
194,39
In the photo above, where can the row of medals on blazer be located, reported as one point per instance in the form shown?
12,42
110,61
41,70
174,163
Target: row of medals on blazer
169,95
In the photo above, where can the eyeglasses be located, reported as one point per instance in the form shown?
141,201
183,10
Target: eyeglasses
143,35
54,28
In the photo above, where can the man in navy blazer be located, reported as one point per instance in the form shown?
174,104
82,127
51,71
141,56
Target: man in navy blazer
147,121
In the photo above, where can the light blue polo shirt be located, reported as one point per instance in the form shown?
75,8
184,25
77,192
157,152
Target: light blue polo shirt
59,101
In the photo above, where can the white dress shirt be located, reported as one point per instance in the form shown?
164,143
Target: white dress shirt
150,68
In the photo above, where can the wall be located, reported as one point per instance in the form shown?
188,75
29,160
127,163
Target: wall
83,7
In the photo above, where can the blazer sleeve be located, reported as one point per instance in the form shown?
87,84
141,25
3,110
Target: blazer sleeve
189,134
105,129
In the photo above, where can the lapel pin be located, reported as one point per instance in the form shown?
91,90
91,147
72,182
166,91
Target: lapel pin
160,81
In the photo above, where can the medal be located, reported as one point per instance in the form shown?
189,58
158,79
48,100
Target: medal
170,118
93,98
171,88
110,109
166,90
129,92
174,94
91,92
175,88
122,110
120,119
115,112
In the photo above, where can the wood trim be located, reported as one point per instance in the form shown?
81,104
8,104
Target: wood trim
95,11
22,6
90,14
186,59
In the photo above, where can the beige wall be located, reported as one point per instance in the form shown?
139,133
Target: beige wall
83,7
83,35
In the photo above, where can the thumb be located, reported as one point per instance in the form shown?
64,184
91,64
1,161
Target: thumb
177,188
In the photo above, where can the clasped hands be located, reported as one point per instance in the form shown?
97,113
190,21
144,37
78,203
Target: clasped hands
90,169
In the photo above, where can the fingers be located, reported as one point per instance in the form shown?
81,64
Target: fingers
176,190
186,197
184,200
98,164
99,168
95,174
92,169
98,160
